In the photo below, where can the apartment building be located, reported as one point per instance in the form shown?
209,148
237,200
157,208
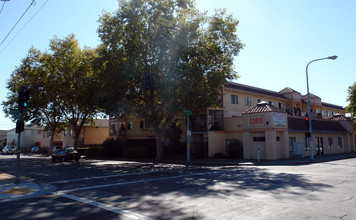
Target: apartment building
271,125
33,135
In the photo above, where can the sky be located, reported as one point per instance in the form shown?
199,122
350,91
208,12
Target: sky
280,37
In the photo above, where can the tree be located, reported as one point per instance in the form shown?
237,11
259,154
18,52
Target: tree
43,108
76,81
168,56
352,99
62,84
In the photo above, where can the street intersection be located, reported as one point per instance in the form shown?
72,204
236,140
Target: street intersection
114,189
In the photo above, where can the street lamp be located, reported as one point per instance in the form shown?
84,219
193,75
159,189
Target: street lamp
309,114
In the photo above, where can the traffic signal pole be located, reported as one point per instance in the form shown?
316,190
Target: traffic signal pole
18,153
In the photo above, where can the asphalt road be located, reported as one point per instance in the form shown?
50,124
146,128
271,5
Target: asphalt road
94,189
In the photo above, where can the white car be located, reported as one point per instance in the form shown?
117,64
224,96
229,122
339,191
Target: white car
8,150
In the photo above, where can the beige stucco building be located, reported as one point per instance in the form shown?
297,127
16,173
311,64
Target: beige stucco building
271,125
91,134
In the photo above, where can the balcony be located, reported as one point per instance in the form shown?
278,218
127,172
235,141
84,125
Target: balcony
207,120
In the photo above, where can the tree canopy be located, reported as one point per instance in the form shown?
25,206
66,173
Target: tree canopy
352,99
62,83
165,56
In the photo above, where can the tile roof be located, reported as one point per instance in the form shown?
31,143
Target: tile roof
246,88
338,117
320,126
332,106
288,90
261,108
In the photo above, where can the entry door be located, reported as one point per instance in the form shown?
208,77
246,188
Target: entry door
319,146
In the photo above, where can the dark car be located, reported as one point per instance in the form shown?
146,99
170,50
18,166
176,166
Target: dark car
65,155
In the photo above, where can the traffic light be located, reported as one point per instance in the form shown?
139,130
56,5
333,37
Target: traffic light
20,126
307,121
24,95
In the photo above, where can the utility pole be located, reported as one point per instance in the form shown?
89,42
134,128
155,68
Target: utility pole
24,95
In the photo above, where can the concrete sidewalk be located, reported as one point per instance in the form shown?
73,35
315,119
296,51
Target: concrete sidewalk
11,191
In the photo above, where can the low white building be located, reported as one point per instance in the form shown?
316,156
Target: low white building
30,137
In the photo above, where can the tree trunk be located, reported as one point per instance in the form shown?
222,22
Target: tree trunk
159,147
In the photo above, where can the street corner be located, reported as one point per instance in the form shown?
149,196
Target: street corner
11,191
4,178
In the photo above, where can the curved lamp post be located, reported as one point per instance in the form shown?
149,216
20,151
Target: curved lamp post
309,114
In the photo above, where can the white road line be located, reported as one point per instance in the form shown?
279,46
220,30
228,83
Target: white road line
122,212
100,177
135,181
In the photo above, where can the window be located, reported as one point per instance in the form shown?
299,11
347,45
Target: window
65,132
259,139
38,131
339,142
306,143
247,101
271,102
141,124
70,132
129,125
322,112
278,138
333,113
234,99
44,134
331,142
327,114
281,106
291,141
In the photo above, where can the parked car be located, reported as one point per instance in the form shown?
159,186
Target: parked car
9,150
35,150
56,148
65,155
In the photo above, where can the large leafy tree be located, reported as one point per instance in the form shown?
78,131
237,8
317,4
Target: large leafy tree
62,84
352,99
43,107
167,55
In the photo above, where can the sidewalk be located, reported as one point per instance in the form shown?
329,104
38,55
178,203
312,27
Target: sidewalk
241,162
11,191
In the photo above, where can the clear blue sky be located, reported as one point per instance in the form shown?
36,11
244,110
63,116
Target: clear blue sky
281,37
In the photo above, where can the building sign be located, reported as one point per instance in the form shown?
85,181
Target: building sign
256,121
279,118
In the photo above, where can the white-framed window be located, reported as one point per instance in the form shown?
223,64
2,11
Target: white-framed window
339,142
306,143
234,99
248,101
281,106
331,142
291,141
271,102
130,125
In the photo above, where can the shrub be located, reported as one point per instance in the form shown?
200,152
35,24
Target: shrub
138,152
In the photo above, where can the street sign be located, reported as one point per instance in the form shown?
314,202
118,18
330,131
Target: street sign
187,112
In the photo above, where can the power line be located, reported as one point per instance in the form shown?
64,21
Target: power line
3,5
17,22
23,26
